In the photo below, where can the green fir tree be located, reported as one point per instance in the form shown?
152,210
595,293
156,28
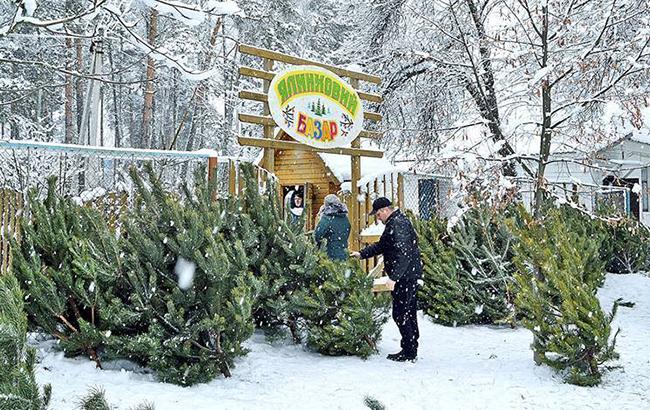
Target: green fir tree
444,293
557,280
18,387
189,282
483,247
285,257
341,315
67,264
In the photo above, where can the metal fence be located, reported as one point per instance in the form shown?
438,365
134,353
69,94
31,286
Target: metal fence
428,195
100,176
605,200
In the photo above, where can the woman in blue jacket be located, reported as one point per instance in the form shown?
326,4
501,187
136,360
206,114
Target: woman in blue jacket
334,227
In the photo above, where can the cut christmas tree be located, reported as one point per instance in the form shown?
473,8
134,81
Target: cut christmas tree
67,265
340,314
188,281
18,387
557,281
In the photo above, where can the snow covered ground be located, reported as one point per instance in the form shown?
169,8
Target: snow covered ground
462,368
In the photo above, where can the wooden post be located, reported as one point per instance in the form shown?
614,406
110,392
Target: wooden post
384,180
212,176
355,168
240,183
400,191
232,174
10,203
268,162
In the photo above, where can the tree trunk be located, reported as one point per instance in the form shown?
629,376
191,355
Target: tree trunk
69,125
116,102
546,132
490,97
147,115
79,85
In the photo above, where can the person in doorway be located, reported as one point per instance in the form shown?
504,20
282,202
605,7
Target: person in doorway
402,262
334,227
296,209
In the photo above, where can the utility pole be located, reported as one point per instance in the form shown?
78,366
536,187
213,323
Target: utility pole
92,116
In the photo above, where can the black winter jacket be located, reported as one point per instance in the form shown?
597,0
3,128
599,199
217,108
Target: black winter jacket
399,245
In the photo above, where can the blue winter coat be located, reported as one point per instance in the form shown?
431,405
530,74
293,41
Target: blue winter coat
335,229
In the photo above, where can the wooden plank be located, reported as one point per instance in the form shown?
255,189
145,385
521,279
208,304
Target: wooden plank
266,75
262,97
268,120
313,177
274,55
370,238
232,171
212,175
400,191
277,144
252,96
255,73
355,168
257,119
378,270
374,135
269,154
372,116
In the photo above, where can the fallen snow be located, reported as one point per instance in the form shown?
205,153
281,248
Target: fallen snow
374,229
473,367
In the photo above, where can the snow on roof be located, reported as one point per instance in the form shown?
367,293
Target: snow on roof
642,136
340,165
374,229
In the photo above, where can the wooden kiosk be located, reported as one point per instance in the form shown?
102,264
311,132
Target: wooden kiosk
296,163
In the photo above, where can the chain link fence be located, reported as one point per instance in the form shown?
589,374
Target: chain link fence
428,195
605,200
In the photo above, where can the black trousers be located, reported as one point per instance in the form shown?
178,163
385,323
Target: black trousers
405,314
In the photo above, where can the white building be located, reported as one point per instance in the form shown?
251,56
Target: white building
615,174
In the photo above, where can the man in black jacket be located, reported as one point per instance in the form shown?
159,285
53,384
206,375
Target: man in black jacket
402,262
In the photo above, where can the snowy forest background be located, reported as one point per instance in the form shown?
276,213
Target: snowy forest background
493,77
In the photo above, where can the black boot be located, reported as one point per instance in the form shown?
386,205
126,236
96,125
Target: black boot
402,356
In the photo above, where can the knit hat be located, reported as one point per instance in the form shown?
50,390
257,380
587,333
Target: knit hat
332,199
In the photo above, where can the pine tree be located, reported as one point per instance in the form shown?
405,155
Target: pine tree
444,293
341,316
18,387
95,399
483,247
198,316
285,257
627,248
557,281
66,264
